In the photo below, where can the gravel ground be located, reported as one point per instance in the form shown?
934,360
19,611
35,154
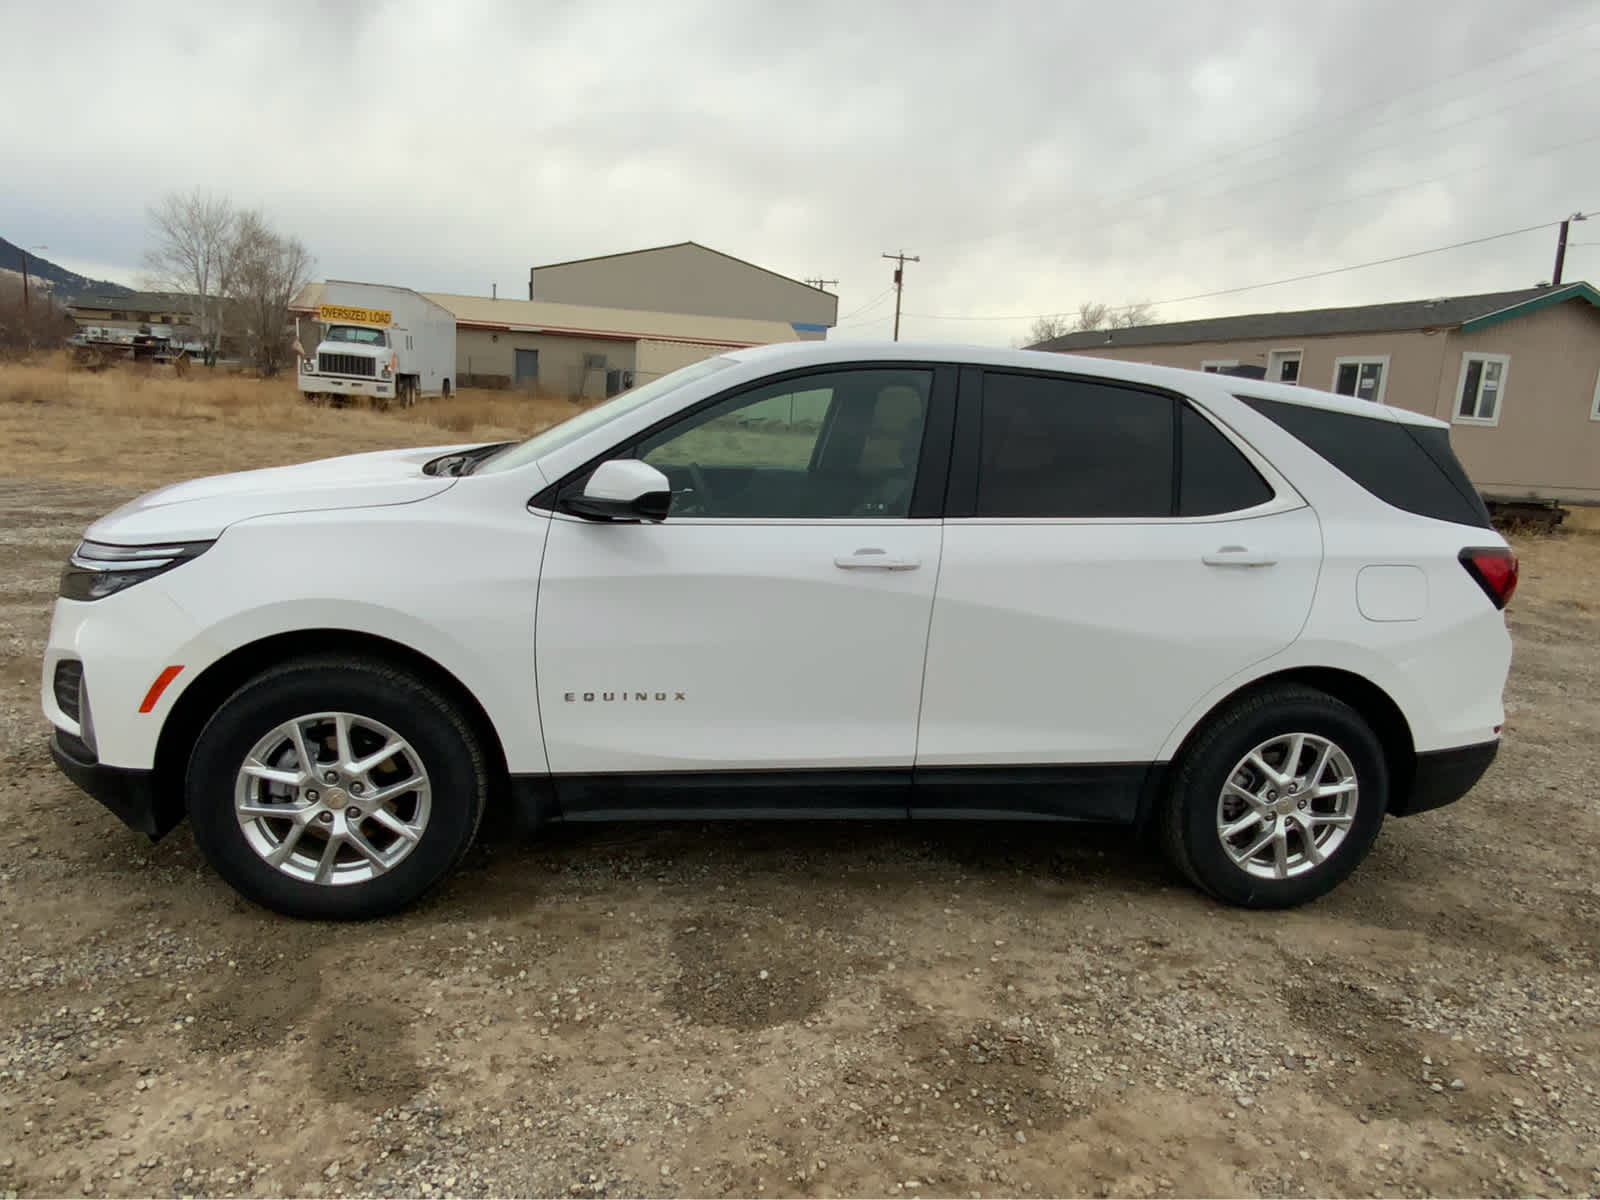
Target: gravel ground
812,1010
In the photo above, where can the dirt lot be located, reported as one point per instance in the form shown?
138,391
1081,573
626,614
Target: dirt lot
786,1010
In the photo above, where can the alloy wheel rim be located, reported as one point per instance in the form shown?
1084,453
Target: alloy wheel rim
1287,806
332,798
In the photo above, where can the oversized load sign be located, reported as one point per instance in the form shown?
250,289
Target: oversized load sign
355,316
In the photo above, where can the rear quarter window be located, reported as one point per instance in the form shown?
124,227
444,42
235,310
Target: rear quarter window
1214,477
1410,467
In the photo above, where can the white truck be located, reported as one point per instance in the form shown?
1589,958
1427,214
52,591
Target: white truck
386,343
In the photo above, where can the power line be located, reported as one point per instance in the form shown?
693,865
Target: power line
1141,192
1250,287
1345,200
888,316
869,304
1253,186
1336,200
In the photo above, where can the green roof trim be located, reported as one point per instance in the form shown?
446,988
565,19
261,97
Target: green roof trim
1573,291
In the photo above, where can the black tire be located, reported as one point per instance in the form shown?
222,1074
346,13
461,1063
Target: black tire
1189,821
436,736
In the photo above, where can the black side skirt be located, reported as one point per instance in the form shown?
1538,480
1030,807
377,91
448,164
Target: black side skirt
1118,793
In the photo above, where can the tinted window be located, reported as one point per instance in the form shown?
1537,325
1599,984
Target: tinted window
1072,448
1410,467
1214,477
835,444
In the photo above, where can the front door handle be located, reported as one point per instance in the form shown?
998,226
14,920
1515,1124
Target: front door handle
1240,556
882,560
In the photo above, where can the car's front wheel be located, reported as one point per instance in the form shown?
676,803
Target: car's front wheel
1278,799
335,788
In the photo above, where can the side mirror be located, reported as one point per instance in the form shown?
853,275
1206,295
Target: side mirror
624,489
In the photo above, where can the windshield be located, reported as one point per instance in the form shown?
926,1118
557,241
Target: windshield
357,335
575,427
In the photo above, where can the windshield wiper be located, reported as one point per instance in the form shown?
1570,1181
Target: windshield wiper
461,462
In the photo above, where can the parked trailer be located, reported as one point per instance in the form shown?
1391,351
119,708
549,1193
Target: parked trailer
1529,512
385,343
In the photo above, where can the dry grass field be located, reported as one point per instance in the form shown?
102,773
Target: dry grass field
140,427
775,1010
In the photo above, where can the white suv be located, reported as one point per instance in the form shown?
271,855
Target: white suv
815,580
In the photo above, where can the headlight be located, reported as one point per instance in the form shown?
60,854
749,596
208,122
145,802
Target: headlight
387,370
310,366
97,570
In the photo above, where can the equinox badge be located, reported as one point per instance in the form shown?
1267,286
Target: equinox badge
615,697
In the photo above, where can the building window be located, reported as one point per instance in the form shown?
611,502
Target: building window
1218,366
1594,412
1363,378
1483,380
1283,366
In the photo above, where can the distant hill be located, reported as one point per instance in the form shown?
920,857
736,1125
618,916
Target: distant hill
65,283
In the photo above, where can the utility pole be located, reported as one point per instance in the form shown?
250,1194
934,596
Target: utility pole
900,261
821,285
1561,247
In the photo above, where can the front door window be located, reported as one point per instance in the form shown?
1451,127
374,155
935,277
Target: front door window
840,444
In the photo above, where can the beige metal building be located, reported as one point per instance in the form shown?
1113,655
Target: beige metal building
569,349
688,278
581,350
1517,374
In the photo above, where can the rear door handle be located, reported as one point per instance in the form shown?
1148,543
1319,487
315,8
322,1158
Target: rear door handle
1240,556
880,559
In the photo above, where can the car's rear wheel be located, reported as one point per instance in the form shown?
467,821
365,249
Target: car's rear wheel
1278,800
335,788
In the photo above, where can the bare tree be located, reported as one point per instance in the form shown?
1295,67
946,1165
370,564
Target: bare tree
1095,314
1092,314
195,233
266,269
1048,328
1130,316
31,321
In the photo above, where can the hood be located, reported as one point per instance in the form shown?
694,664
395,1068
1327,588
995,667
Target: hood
355,348
203,508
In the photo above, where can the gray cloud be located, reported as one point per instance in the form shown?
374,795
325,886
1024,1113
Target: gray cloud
1035,154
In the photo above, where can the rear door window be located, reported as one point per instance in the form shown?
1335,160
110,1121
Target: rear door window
1058,447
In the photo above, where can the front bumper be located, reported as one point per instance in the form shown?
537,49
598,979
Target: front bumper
129,793
1443,777
346,386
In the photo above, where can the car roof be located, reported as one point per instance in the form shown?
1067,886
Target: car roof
801,354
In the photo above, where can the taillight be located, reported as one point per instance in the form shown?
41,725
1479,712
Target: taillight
1495,569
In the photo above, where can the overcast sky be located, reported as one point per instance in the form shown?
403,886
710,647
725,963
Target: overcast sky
1035,155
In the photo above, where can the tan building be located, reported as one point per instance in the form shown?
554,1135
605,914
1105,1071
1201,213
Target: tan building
581,350
688,278
1517,374
569,349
